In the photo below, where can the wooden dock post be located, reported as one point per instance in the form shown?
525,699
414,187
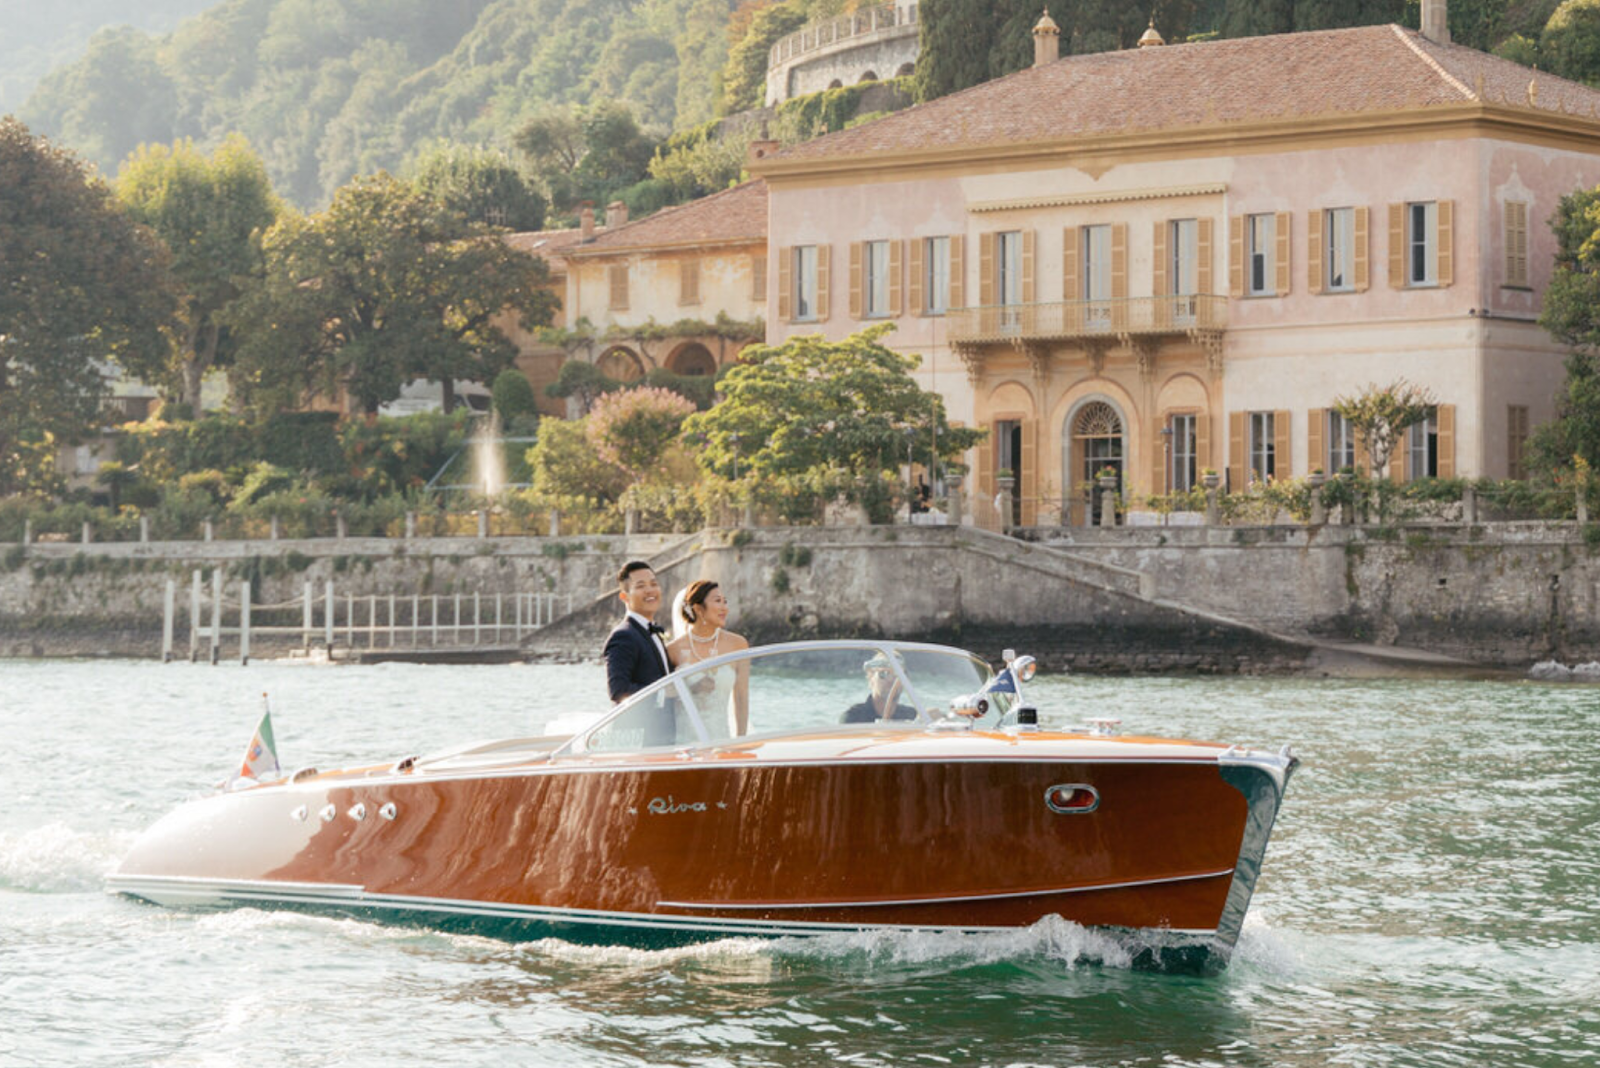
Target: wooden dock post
327,618
169,610
244,623
194,618
305,618
477,617
216,616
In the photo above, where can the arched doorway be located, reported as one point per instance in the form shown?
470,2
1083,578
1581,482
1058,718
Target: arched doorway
1094,440
620,364
692,359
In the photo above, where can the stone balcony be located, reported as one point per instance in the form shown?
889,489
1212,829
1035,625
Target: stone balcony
1199,316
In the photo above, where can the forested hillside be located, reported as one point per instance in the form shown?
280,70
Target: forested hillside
328,89
36,37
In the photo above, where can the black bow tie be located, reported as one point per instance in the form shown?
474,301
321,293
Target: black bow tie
654,628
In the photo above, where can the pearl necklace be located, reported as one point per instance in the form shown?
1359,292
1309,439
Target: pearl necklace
695,639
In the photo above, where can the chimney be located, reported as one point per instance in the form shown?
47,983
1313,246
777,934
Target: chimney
616,214
586,221
760,149
1046,40
1435,21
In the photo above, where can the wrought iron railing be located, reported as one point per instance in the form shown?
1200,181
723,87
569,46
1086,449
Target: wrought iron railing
1088,318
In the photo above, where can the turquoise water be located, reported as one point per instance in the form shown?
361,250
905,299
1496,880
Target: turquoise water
1431,897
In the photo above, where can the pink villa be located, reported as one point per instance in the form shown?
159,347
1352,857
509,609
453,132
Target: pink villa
1174,258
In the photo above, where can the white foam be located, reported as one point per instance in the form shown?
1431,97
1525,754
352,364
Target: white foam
56,858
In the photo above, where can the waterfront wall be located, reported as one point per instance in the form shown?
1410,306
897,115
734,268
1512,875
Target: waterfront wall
1237,599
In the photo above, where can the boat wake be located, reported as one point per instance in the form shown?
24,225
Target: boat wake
55,859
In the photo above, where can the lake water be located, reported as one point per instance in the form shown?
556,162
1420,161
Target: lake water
1431,897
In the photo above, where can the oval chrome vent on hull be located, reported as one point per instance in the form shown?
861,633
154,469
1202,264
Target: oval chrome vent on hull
1072,798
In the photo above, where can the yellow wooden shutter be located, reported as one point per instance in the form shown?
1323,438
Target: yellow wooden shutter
1397,460
1028,294
1203,256
958,271
1236,256
986,243
618,277
855,279
1363,243
1447,242
1447,440
1070,288
986,457
1119,261
824,269
1515,225
1281,227
1028,482
917,304
1236,452
1158,458
1314,224
1283,466
1397,246
1316,446
1202,441
896,278
688,281
786,284
1158,256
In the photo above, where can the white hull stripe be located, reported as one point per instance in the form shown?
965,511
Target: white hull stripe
1043,892
188,890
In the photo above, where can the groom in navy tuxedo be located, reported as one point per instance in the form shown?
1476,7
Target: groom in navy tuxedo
636,652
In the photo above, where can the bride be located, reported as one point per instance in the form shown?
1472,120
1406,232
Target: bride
699,617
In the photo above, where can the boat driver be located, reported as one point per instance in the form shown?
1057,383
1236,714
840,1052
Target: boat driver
883,695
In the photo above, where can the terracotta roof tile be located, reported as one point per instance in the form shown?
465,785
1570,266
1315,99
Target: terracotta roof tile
1285,76
548,245
733,215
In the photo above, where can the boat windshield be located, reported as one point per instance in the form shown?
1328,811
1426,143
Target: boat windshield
796,687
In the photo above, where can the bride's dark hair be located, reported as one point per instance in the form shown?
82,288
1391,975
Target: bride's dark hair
696,596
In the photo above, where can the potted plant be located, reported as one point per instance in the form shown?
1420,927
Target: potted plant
1209,478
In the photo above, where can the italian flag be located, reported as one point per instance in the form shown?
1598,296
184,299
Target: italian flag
261,758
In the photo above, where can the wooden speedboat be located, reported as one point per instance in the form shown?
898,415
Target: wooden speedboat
752,796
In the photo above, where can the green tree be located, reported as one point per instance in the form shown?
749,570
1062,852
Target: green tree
479,184
513,396
383,287
823,417
1570,43
955,38
1572,315
744,79
80,284
582,380
588,153
567,471
210,212
1380,414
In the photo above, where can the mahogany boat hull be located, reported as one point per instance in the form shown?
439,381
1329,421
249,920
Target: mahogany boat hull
928,830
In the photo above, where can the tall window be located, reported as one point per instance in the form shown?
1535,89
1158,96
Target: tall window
1184,241
1516,439
1097,262
1340,235
1422,243
1261,254
1263,450
1181,472
1422,447
1516,225
1008,250
618,277
688,281
805,282
875,287
1341,443
936,275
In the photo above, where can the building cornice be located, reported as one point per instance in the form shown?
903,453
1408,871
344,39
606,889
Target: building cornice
1095,154
603,252
1110,196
